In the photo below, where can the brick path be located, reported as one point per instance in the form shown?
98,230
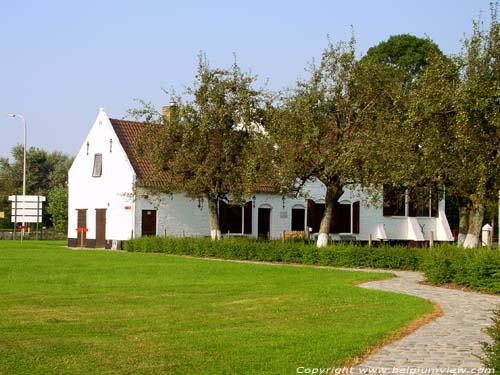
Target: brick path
450,341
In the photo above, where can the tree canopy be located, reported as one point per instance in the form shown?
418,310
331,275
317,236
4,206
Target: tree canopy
317,125
45,171
406,53
206,145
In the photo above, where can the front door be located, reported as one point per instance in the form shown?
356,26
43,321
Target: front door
264,222
100,227
81,223
149,222
298,219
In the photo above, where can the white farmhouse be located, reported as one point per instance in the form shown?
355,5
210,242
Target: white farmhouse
107,205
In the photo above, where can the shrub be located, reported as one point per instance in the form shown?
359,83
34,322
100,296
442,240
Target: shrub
340,255
475,268
491,350
440,264
478,269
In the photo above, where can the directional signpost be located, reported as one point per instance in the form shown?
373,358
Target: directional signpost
26,209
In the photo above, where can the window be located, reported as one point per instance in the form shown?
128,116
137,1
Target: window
97,171
314,214
345,216
235,219
423,202
394,201
341,218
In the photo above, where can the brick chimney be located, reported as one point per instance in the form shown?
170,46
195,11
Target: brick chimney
168,110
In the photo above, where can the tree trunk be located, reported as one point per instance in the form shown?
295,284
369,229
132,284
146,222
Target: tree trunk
476,217
333,193
463,223
214,219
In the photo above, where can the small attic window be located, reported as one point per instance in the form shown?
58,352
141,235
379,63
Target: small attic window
97,171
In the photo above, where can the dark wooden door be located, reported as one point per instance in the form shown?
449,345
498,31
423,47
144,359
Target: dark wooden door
298,218
149,222
81,223
100,227
264,222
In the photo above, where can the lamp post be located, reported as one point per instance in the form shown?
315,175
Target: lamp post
24,157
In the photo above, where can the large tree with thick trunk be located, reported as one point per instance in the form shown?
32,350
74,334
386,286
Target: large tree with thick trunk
316,125
206,145
444,129
478,126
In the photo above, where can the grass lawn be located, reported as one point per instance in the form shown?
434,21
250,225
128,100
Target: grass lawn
103,312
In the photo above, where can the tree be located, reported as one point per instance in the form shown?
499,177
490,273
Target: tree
44,171
6,187
405,53
57,208
206,148
448,128
478,125
316,126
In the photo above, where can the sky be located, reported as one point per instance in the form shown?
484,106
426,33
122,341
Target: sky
63,60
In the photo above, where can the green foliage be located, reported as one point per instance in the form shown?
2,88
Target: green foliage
440,266
317,125
406,53
207,147
58,208
478,269
45,171
341,255
491,350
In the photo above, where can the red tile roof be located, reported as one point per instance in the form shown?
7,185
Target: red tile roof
128,132
147,174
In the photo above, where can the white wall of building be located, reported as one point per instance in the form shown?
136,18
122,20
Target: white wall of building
178,215
111,191
372,217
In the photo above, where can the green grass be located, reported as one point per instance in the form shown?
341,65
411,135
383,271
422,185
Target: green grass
82,312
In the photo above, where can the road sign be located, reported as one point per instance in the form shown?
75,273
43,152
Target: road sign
2,215
26,208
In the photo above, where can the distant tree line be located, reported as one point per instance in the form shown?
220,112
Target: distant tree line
403,117
46,174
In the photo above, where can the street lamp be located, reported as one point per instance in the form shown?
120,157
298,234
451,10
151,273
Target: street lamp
24,161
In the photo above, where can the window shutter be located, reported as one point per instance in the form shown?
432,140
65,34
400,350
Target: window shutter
355,217
248,218
223,224
335,225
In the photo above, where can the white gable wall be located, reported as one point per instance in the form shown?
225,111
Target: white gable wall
111,191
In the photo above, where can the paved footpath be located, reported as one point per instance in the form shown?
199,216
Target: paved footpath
450,341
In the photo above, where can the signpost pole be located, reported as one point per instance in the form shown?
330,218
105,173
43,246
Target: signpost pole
37,217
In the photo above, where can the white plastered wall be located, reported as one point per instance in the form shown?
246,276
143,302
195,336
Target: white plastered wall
112,191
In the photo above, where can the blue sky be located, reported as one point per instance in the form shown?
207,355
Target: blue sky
63,60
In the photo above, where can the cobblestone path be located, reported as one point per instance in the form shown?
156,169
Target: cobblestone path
451,341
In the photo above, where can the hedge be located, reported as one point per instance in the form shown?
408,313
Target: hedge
491,350
478,269
341,255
